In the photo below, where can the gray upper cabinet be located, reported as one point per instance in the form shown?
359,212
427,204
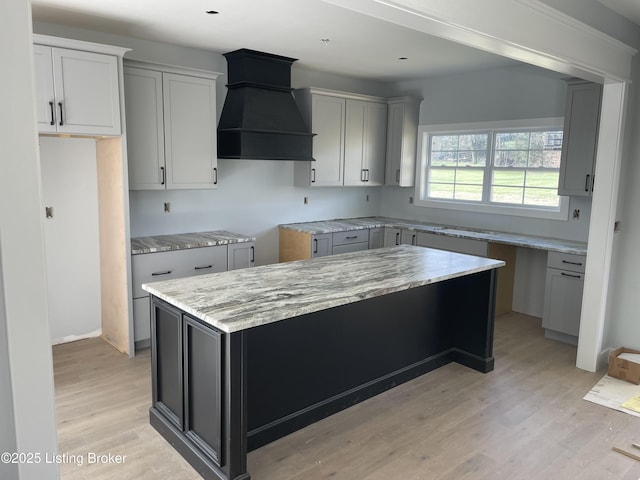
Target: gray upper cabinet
325,116
402,137
77,92
365,143
171,127
580,137
349,146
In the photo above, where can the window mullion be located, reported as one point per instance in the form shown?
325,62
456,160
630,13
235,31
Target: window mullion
486,186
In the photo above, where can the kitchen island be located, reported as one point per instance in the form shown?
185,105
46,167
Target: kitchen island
242,358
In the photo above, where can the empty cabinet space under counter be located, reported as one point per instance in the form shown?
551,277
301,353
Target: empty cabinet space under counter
563,296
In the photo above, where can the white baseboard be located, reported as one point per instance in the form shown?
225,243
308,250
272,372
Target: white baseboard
74,338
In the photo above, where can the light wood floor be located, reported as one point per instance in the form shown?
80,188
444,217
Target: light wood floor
524,420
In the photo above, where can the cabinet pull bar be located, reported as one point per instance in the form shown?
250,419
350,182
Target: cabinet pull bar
397,238
413,240
315,245
253,254
363,177
586,183
203,267
53,121
313,175
215,176
61,120
351,237
572,263
570,275
156,274
163,176
367,170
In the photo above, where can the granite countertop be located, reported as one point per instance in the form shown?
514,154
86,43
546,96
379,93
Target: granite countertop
180,241
241,299
519,240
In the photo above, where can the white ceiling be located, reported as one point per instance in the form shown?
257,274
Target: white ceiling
358,45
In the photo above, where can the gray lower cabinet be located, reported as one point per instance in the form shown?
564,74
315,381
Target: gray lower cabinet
376,237
391,236
321,245
350,241
563,296
157,266
186,356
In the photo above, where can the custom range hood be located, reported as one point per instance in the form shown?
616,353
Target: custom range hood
260,118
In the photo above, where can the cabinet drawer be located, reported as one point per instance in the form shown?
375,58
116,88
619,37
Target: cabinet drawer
352,236
566,261
350,247
153,267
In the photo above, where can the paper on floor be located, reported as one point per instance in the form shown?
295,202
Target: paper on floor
612,393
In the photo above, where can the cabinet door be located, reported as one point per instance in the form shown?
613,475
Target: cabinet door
563,301
354,148
45,97
166,362
408,237
375,142
392,237
87,92
402,136
190,132
241,255
580,137
321,245
327,122
145,130
203,388
376,237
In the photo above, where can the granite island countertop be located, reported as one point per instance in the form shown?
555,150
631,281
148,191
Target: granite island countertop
181,241
518,240
240,299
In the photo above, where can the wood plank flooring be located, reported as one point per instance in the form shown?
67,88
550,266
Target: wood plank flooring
524,420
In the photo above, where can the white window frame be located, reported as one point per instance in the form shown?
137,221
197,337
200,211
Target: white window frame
424,132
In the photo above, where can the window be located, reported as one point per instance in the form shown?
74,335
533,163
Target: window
511,168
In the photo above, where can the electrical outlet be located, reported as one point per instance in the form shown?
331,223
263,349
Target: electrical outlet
411,200
576,214
167,207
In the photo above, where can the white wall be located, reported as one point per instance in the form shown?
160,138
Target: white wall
24,312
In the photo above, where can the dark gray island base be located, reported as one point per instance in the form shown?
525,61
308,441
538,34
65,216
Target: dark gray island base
222,390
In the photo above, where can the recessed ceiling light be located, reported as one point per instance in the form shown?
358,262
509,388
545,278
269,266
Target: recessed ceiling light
212,12
325,40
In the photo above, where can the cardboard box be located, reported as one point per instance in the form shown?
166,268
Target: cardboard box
624,369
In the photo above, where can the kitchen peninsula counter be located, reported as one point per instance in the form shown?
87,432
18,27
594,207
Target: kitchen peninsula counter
244,357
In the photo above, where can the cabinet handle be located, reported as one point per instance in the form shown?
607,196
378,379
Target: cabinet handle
253,254
593,182
570,275
362,175
413,240
367,175
215,176
315,245
53,121
586,183
572,263
157,274
205,267
398,175
61,120
351,237
397,238
163,176
313,175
